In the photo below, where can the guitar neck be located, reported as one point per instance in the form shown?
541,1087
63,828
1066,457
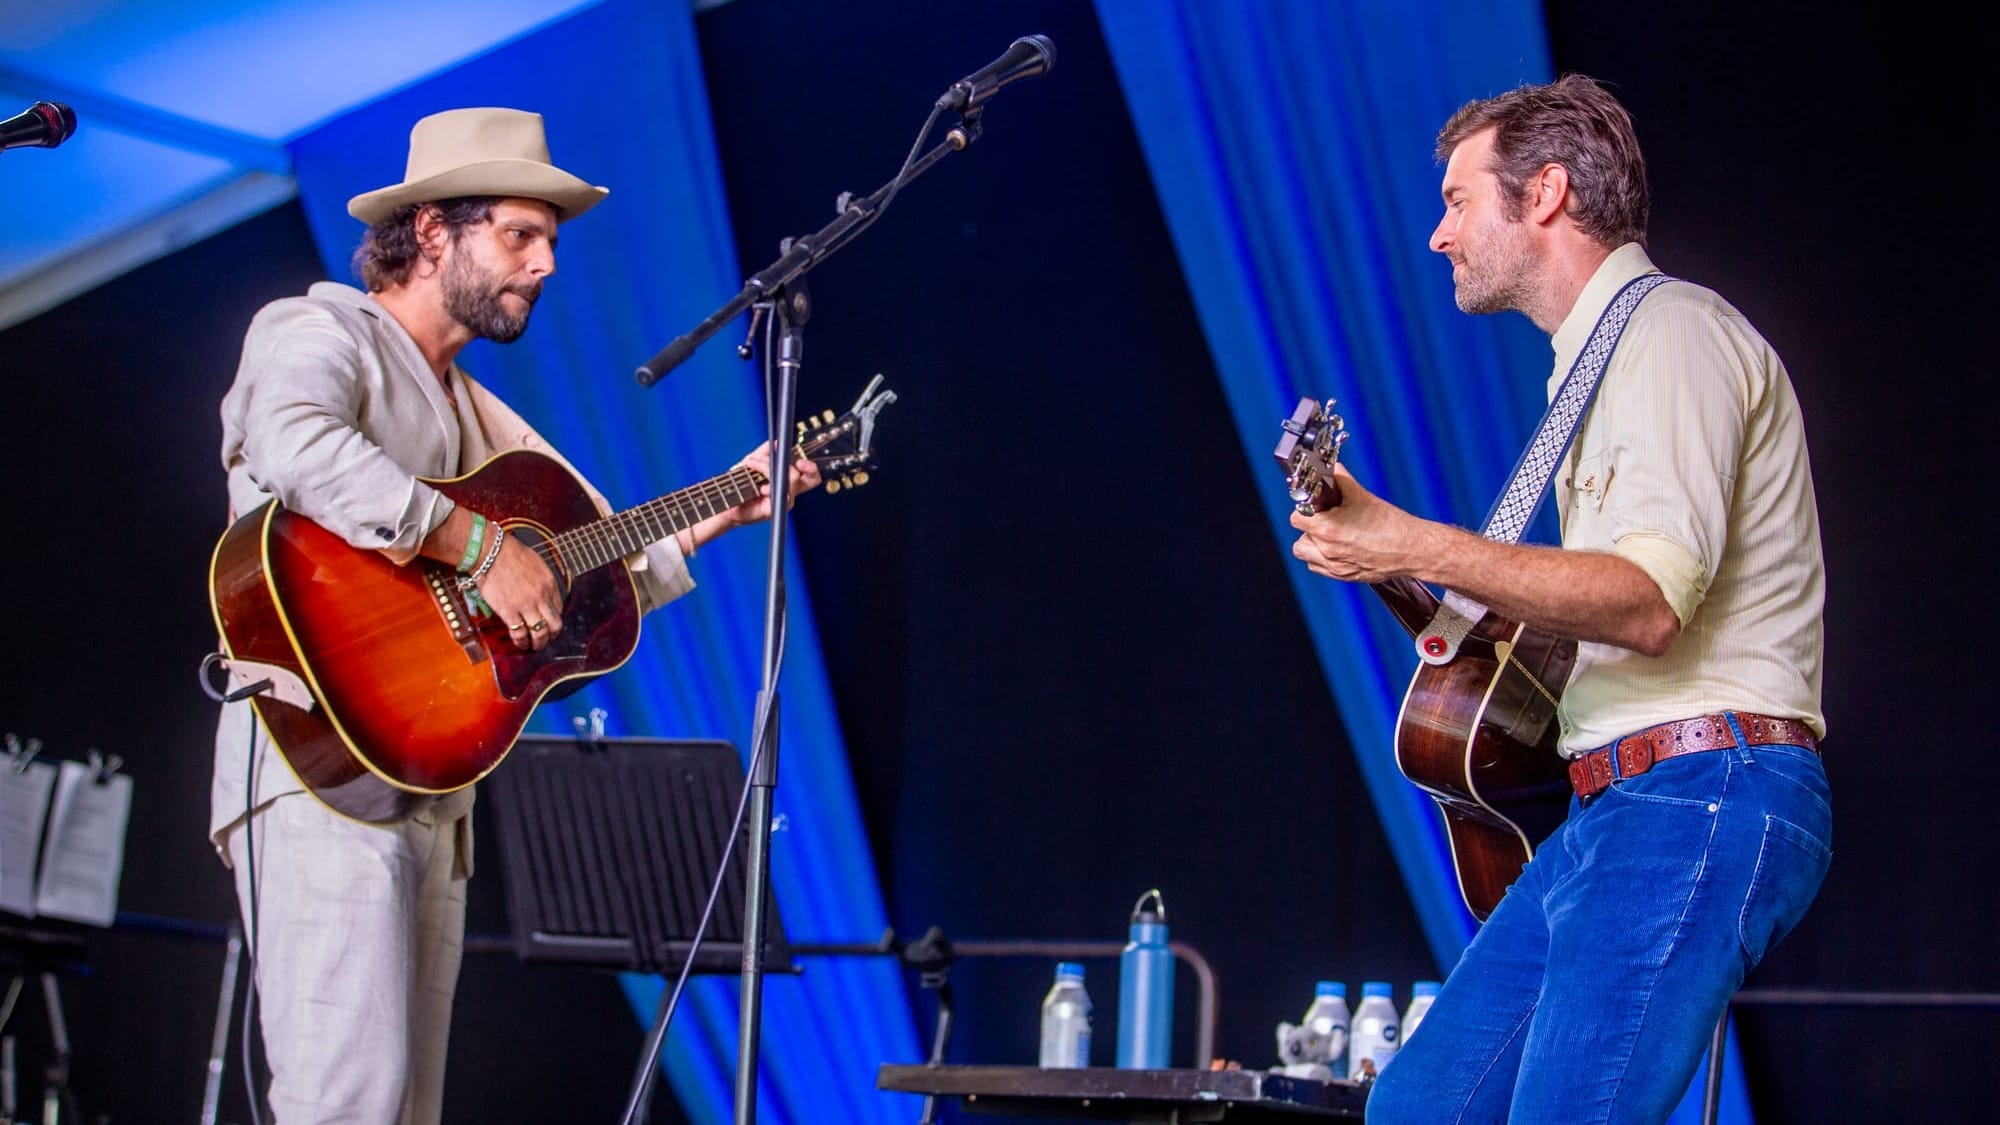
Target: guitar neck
591,545
1410,601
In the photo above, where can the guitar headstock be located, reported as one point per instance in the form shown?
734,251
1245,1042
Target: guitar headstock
844,447
1307,451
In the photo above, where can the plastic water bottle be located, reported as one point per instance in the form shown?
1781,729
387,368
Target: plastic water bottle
1066,1020
1312,1047
1327,1023
1329,1019
1376,1031
1146,989
1421,995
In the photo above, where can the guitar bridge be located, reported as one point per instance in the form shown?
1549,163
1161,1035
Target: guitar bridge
457,612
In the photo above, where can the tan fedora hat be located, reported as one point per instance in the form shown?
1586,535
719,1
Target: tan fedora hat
479,152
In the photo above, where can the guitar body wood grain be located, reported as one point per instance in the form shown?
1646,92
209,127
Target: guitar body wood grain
408,704
1479,735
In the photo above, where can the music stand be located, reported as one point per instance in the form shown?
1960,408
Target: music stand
44,948
608,849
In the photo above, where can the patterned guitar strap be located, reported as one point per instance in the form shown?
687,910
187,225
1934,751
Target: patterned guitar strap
1438,642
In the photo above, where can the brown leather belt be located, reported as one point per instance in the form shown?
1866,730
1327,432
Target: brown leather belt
1591,773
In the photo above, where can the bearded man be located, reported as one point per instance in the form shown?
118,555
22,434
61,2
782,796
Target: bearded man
343,400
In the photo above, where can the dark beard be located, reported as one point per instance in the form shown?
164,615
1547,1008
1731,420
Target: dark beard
472,299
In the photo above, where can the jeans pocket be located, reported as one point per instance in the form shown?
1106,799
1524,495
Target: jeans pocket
1693,781
1801,773
1790,866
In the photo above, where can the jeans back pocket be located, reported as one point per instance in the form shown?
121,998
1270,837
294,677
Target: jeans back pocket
1791,864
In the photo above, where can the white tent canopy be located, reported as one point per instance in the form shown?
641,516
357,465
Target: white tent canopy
184,110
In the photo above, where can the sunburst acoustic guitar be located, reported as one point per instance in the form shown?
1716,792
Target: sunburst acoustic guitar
390,686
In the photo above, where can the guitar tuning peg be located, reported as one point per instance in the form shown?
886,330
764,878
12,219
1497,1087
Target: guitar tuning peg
832,487
827,415
860,478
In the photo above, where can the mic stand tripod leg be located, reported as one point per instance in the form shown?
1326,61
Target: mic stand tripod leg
225,1010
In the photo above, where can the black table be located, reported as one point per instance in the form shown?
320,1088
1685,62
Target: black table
1106,1094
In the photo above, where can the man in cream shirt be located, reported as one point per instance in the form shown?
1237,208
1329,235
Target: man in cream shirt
1690,574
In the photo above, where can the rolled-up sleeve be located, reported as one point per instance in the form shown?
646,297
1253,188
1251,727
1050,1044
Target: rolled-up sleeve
1675,430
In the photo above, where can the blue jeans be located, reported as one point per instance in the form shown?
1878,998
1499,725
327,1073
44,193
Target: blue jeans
1592,990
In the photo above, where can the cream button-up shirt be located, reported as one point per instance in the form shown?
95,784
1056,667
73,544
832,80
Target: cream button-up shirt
1692,465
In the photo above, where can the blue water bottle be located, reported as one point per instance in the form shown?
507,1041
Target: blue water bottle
1146,989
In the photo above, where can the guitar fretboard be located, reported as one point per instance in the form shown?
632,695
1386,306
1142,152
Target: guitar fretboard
585,548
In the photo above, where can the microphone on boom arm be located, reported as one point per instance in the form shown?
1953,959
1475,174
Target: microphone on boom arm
42,125
1029,57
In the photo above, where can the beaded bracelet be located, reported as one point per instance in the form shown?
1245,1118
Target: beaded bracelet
472,543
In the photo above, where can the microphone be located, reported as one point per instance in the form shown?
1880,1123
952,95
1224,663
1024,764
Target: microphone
42,125
1030,56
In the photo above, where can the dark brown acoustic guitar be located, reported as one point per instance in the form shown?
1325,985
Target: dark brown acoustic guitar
1478,733
399,689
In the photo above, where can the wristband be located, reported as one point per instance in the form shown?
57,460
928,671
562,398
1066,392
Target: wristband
471,581
473,543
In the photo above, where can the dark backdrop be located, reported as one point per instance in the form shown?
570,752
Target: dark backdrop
1066,658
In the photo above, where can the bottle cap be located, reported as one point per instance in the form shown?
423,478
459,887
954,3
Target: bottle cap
1374,988
1069,969
1141,914
1424,988
1330,988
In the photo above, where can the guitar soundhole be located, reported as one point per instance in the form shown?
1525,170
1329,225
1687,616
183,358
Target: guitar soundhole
519,672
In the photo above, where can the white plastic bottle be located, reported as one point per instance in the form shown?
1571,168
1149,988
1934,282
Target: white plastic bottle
1327,1020
1376,1031
1421,995
1066,1020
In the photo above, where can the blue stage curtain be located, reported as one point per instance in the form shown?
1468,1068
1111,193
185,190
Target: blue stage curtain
620,86
1290,144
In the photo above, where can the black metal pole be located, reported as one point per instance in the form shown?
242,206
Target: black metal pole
793,308
781,285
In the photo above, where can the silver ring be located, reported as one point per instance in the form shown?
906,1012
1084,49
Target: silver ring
538,626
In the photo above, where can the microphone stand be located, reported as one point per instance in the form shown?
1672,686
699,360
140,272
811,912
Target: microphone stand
799,255
779,288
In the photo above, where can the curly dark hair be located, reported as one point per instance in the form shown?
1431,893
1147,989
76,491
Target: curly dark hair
1575,122
389,250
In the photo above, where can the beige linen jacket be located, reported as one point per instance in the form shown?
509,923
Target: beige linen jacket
336,414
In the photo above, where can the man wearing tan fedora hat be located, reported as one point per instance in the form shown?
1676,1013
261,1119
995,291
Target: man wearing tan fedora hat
343,400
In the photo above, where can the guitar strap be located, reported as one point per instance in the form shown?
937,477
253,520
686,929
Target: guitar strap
1517,504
